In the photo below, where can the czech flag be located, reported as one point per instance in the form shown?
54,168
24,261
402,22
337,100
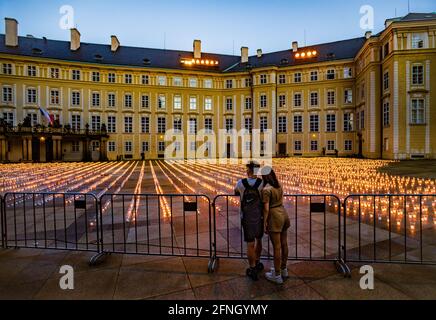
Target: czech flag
46,115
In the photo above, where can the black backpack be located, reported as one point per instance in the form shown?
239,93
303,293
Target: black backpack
251,203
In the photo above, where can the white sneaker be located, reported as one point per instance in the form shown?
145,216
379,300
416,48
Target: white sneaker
284,272
273,277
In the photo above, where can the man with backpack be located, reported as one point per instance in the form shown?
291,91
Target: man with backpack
249,190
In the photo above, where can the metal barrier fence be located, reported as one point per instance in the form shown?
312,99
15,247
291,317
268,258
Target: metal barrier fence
386,228
390,228
59,221
156,224
314,235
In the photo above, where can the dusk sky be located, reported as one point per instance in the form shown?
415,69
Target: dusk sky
223,26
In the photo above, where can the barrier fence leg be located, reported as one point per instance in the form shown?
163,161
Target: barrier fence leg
100,256
213,261
2,222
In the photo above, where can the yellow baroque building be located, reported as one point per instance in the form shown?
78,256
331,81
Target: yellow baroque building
370,96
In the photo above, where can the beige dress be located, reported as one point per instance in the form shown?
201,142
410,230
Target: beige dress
278,218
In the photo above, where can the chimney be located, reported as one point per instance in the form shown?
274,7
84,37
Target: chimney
197,49
259,53
368,34
75,39
244,55
294,46
115,44
11,28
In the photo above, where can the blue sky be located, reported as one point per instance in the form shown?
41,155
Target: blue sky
223,26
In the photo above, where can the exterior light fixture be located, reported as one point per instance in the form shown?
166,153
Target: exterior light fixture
203,62
306,54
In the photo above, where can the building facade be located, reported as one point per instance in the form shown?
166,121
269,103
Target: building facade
369,97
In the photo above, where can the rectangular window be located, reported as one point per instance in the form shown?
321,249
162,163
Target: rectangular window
348,122
208,125
248,124
417,75
177,125
75,98
386,114
297,77
96,76
314,99
127,100
177,82
145,146
297,145
54,73
145,79
31,71
314,76
193,83
31,96
95,123
263,124
263,101
75,75
386,81
111,100
331,146
282,79
263,79
8,117
177,103
145,101
7,95
298,123
128,78
145,124
362,119
111,77
95,145
348,96
162,80
386,50
161,146
282,101
418,111
229,84
313,145
111,146
161,124
54,97
229,104
75,146
314,123
192,126
417,41
7,68
76,122
128,146
95,101
297,100
128,124
331,74
248,103
229,125
283,124
208,83
331,123
248,82
331,98
348,145
192,103
111,124
208,104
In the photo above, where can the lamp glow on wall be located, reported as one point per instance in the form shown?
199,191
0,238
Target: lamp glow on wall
306,54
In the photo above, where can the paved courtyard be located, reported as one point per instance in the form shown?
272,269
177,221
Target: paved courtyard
34,274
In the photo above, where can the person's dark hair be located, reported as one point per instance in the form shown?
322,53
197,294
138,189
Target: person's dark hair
271,179
252,165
